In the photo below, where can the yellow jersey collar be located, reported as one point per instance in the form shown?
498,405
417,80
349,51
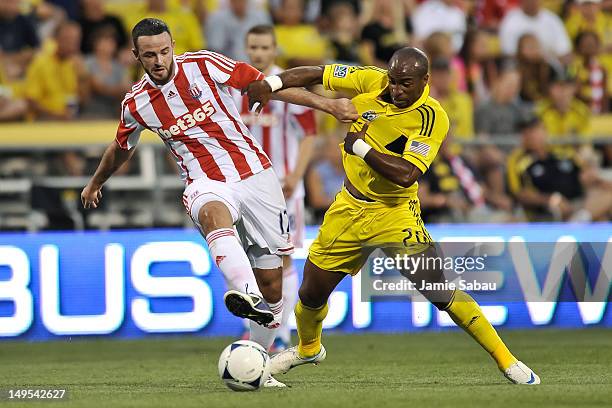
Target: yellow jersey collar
394,110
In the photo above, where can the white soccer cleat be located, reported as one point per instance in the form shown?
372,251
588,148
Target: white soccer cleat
286,360
519,373
272,382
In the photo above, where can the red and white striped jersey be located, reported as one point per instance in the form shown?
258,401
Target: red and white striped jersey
279,128
196,117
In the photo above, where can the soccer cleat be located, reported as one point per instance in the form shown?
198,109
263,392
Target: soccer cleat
286,360
278,346
519,373
249,306
272,382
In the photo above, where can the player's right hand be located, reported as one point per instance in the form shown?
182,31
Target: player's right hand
259,93
344,110
90,196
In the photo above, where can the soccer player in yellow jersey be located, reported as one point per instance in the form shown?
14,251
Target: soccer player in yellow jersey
395,140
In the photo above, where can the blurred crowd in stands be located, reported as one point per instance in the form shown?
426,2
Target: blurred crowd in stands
521,81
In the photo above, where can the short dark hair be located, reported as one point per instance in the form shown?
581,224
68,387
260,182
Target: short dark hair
149,26
262,29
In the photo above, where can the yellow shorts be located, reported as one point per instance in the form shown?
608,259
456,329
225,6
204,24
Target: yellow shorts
352,228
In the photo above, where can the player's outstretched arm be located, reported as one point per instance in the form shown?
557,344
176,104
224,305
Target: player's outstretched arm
341,108
114,156
260,92
393,168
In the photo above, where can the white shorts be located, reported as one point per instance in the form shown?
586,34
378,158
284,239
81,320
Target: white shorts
257,207
297,224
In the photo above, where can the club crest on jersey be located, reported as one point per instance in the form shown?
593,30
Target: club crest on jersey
369,115
195,91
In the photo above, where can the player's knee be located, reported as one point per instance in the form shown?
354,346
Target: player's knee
272,291
270,284
310,298
215,215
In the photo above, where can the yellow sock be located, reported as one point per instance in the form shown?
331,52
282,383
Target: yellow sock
466,313
309,326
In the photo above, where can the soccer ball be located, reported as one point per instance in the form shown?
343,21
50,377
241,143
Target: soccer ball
244,366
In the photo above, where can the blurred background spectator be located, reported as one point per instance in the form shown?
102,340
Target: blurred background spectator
550,185
384,33
344,34
325,178
591,74
184,25
440,16
478,64
94,20
56,81
298,43
562,113
457,104
108,78
535,70
531,18
501,114
18,39
226,29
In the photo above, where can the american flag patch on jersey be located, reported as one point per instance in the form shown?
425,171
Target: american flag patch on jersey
419,148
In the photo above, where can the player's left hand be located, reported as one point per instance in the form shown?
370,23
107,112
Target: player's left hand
259,93
351,138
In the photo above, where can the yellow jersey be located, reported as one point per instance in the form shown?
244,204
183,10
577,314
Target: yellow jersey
52,82
414,133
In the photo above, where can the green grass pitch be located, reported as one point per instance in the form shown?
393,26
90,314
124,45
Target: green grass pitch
445,369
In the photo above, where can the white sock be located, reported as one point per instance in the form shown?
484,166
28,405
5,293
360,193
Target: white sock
263,335
227,252
290,293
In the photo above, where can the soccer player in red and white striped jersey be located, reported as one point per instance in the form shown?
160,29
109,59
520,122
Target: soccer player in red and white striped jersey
230,184
285,131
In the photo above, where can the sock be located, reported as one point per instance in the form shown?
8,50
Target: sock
466,313
309,326
264,335
227,252
290,292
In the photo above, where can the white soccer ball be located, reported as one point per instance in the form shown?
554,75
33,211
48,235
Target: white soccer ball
244,366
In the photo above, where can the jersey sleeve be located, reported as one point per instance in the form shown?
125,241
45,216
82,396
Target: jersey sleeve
226,71
355,80
421,150
129,129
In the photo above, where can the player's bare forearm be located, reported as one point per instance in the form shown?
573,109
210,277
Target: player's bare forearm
260,92
395,169
113,158
302,76
342,108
